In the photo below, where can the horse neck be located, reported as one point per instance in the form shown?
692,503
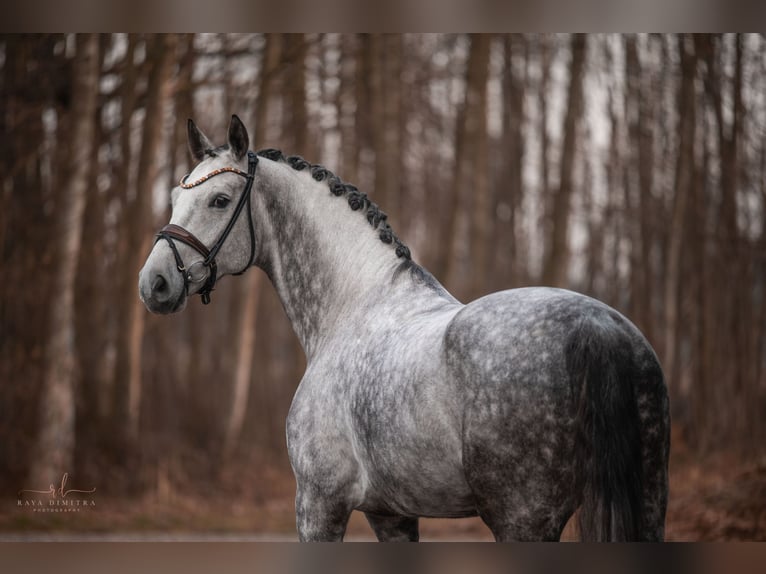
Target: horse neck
323,259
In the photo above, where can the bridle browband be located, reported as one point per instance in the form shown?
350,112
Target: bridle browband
173,232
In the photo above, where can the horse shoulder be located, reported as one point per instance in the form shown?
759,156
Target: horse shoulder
316,431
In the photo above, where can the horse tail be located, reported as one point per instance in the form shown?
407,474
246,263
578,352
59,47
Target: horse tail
608,463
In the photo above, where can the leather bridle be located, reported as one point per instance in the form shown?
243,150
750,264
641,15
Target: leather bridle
173,232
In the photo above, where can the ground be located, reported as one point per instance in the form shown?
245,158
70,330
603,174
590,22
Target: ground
717,497
720,497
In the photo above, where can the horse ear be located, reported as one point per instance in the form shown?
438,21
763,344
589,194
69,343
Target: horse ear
198,141
239,142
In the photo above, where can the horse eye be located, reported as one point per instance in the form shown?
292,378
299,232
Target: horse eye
220,201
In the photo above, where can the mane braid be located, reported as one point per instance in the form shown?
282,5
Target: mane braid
357,200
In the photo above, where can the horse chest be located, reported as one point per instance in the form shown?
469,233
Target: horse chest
395,438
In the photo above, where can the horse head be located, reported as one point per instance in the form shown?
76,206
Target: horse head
208,235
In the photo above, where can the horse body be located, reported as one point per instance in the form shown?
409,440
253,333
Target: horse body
518,407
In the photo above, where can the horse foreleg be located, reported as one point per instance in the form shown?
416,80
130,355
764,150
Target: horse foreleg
320,518
394,528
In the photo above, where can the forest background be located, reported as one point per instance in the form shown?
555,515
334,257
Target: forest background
631,168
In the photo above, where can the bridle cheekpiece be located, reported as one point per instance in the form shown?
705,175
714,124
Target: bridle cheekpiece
172,232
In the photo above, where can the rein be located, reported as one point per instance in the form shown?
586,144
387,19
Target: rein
172,232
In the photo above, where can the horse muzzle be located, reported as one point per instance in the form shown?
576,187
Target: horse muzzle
160,291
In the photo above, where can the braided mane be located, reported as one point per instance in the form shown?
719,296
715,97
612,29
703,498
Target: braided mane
357,200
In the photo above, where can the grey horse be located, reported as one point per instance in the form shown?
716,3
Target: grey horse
520,407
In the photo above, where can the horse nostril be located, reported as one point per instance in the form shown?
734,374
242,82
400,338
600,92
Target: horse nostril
160,284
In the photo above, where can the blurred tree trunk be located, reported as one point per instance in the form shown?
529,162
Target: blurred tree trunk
596,232
378,104
470,186
543,92
395,123
347,108
386,113
248,294
632,175
112,396
544,195
600,251
385,91
92,288
740,316
36,82
54,452
613,214
730,317
639,105
701,330
138,230
295,95
183,109
683,182
647,206
483,220
557,258
363,116
509,233
615,182
705,424
760,335
728,135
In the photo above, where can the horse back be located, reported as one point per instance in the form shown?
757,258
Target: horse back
520,337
